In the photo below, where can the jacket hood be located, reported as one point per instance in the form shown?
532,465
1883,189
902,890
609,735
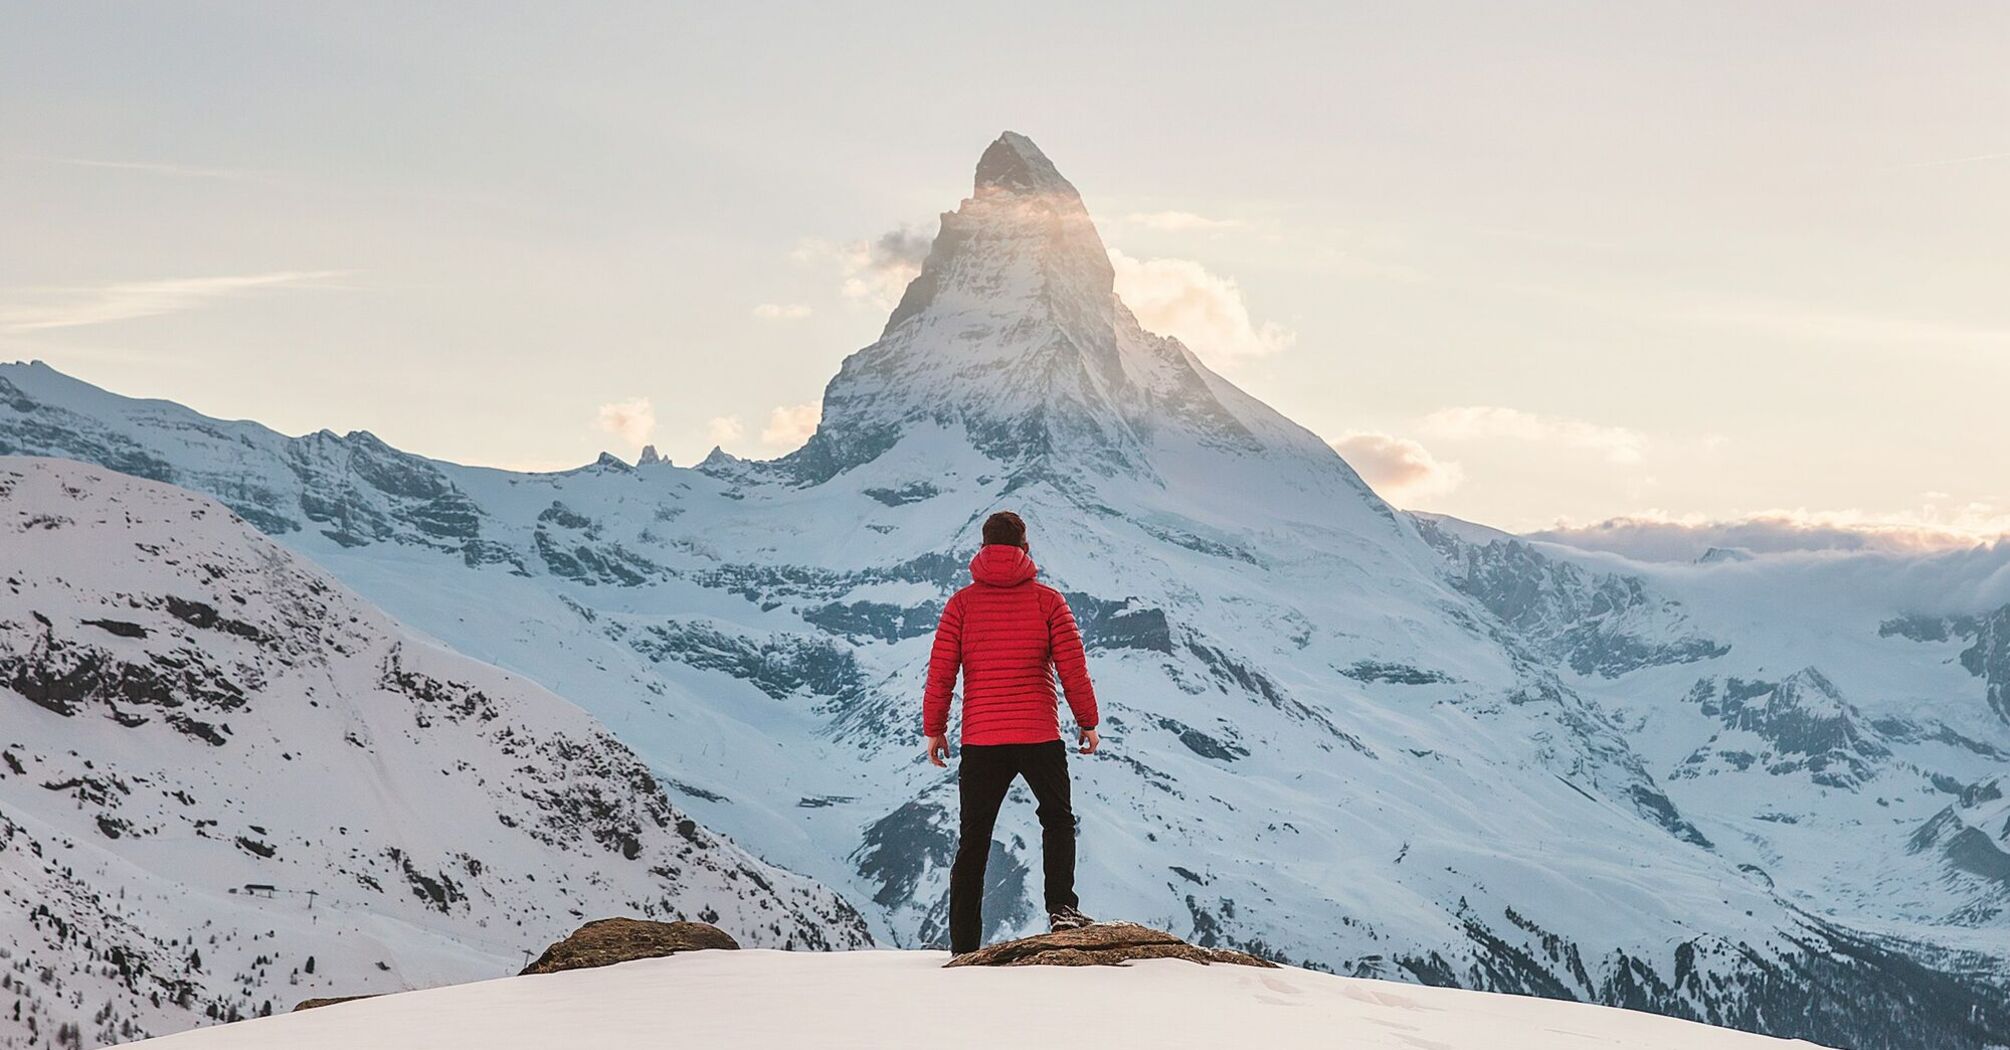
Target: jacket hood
1002,565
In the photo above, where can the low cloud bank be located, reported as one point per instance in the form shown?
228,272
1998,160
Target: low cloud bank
1659,538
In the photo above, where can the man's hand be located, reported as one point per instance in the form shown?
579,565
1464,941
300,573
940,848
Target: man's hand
938,750
1090,742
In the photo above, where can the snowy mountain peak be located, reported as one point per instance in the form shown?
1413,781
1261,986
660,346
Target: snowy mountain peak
1013,335
1023,243
1013,164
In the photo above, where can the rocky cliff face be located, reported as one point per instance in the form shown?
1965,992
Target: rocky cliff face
1967,844
1596,623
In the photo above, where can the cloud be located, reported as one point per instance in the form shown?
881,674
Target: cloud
791,425
1491,422
782,311
1180,298
1181,222
1398,468
632,421
724,430
1659,536
875,271
77,305
180,171
1829,327
905,246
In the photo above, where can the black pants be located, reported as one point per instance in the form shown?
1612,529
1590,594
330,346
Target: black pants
985,775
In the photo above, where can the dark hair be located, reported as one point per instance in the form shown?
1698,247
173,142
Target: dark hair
1005,527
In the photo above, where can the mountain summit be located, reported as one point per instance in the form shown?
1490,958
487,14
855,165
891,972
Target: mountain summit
1024,238
1013,164
1014,336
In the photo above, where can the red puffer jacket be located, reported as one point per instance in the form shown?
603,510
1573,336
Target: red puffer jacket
1008,634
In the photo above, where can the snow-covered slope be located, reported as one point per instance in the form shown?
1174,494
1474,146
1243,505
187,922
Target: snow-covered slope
1850,741
888,1000
1336,734
227,784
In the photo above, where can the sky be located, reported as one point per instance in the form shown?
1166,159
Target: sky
1534,265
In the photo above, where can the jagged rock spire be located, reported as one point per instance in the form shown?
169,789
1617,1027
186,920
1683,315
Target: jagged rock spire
1023,243
1013,164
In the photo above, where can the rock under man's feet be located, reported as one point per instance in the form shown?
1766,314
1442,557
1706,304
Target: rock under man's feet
1067,918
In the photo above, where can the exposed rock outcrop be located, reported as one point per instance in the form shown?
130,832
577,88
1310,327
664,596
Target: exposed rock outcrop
605,942
316,1004
1103,944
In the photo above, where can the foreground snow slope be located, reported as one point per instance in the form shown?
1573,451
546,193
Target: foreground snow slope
889,1000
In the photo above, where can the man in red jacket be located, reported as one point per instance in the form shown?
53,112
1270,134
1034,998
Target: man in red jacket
1009,635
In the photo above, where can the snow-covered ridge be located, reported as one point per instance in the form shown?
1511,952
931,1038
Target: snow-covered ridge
895,1000
227,784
